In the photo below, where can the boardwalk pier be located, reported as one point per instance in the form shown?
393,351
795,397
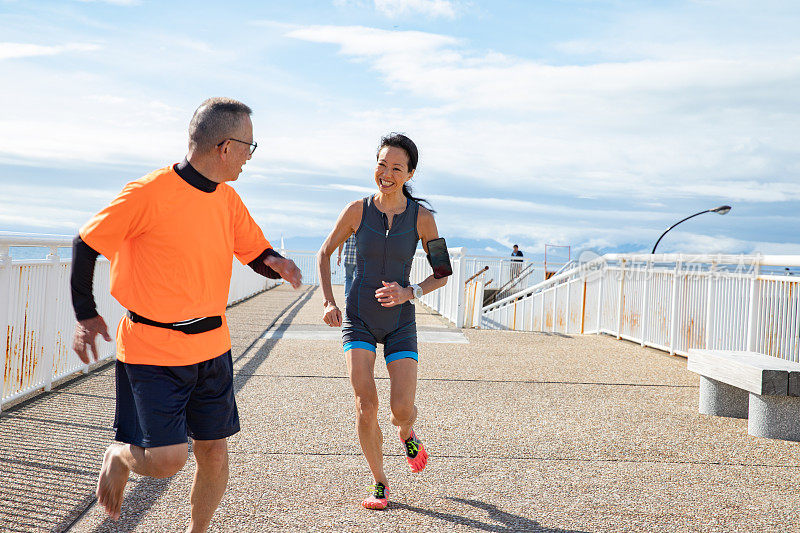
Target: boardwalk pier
527,432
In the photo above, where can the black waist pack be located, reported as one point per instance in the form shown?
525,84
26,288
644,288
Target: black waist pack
190,327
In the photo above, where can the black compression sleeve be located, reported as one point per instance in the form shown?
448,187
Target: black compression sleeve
83,260
258,265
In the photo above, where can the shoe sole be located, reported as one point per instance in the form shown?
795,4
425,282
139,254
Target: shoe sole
375,505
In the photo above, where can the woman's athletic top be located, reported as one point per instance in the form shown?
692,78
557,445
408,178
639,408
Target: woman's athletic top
382,254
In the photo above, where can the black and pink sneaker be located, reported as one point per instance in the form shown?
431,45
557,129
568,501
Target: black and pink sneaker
416,455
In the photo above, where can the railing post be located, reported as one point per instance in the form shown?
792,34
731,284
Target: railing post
673,314
51,312
752,311
566,309
645,296
542,321
5,302
555,307
478,306
601,280
458,290
620,298
583,303
514,320
470,309
710,303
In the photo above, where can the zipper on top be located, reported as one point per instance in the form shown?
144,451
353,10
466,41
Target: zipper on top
385,240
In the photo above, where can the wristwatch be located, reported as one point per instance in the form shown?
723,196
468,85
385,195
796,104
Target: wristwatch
417,290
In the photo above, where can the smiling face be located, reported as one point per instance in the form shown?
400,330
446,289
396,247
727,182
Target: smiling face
392,172
238,153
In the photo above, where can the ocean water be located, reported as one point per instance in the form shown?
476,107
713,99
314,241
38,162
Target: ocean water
37,252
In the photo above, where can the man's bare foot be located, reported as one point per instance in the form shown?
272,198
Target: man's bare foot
112,480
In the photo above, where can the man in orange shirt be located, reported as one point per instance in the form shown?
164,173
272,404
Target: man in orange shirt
171,237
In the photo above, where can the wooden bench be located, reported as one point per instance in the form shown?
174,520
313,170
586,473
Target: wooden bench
740,384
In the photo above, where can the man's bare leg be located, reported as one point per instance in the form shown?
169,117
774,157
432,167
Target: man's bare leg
210,480
122,459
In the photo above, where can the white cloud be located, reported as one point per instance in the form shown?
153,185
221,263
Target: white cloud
91,118
49,207
743,191
592,146
434,65
674,125
352,188
362,41
21,50
431,8
114,2
712,244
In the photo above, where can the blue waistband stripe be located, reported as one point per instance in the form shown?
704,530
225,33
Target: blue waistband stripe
401,355
359,344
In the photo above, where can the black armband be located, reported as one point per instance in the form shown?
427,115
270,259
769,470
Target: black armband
439,258
84,258
259,267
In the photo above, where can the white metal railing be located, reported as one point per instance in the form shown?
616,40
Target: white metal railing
307,263
473,303
503,269
37,321
449,300
671,302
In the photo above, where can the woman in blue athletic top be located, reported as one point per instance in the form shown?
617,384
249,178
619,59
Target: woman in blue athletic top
387,226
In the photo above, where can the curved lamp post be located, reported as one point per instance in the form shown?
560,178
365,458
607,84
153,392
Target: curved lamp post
721,210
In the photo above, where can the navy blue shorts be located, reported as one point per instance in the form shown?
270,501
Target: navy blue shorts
400,343
162,405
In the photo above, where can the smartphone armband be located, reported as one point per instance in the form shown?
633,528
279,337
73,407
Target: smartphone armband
438,258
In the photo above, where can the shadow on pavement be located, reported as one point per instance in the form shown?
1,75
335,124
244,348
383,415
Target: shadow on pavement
148,490
248,369
507,522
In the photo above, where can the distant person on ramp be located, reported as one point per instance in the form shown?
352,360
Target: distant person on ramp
516,264
387,226
171,237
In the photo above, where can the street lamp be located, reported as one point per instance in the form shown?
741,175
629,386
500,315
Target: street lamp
721,210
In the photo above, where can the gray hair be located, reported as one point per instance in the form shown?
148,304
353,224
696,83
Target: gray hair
214,121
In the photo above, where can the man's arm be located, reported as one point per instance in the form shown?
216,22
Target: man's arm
84,258
90,323
273,265
260,266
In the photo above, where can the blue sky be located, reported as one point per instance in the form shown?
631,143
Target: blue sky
586,122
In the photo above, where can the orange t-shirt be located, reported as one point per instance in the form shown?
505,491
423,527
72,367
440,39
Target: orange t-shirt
171,248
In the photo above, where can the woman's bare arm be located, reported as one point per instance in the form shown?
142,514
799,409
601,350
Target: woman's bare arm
347,223
426,227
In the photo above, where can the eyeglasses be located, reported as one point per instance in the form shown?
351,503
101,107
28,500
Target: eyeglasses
253,145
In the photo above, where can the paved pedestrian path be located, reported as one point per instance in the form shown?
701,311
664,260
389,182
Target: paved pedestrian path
526,432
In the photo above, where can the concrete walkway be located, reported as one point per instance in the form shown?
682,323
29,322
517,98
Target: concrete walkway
526,432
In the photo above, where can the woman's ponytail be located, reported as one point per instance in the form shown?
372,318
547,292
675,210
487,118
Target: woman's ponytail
407,194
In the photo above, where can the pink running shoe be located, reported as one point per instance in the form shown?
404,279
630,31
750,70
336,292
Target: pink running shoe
416,455
379,497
